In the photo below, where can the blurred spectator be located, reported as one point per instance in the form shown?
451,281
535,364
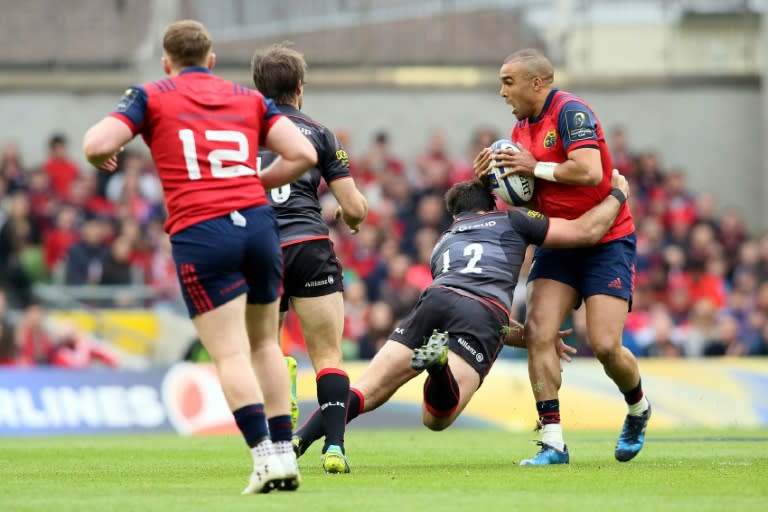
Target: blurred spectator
85,259
680,206
355,310
73,348
61,169
760,347
381,321
728,341
434,166
396,290
58,240
761,266
33,338
9,350
430,213
622,157
12,172
379,162
419,274
117,268
660,338
649,175
702,329
706,210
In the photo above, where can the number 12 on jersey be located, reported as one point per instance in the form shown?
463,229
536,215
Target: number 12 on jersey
473,251
217,157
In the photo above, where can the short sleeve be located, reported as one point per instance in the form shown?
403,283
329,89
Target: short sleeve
530,224
577,126
334,158
132,108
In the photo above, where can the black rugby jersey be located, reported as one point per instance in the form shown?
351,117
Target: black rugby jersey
296,204
482,253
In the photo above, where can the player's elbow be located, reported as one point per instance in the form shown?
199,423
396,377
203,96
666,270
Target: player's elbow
95,150
593,178
357,209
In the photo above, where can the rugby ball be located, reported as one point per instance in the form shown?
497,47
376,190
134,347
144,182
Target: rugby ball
515,189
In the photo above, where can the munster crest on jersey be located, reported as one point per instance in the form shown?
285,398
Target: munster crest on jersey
550,139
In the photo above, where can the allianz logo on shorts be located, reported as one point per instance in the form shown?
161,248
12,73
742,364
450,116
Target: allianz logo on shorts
322,282
477,355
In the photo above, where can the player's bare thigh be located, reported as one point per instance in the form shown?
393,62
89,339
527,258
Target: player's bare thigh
548,302
322,322
468,381
606,316
222,332
389,369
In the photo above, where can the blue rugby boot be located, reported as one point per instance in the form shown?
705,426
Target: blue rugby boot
547,455
632,436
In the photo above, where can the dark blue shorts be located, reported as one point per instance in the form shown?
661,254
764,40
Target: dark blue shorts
604,269
219,259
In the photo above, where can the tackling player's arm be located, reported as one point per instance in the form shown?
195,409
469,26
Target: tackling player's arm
593,224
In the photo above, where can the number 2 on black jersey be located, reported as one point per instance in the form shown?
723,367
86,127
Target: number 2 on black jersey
474,251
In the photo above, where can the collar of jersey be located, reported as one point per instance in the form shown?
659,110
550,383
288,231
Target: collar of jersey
195,69
550,96
288,109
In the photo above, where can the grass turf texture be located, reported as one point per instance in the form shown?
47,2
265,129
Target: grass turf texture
400,470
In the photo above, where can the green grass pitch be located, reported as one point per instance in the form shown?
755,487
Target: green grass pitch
392,470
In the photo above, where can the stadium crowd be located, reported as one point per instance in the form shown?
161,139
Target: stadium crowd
701,280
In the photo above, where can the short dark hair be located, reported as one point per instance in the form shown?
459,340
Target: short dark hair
56,139
536,64
278,71
469,196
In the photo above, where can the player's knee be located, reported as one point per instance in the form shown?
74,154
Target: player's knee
536,334
435,423
605,348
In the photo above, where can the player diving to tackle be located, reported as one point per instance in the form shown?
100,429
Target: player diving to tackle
464,314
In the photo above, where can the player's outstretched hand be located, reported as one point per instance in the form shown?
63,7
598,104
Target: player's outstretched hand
564,350
619,181
483,163
354,227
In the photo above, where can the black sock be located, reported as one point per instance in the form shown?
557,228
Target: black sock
252,423
280,428
549,411
635,394
332,396
314,428
356,404
441,392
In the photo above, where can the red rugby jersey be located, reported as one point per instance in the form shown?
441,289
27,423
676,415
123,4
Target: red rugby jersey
204,134
567,123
